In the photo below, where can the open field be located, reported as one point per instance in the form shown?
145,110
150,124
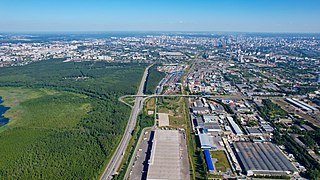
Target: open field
175,107
42,108
214,176
65,118
129,100
147,120
150,104
220,160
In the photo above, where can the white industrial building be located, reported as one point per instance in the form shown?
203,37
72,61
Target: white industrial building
165,161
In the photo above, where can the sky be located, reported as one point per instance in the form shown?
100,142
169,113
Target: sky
160,15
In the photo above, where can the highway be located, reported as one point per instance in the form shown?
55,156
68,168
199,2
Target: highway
114,162
180,95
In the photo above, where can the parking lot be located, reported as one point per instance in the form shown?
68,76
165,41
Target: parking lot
140,165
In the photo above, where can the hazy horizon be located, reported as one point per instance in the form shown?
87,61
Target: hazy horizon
264,16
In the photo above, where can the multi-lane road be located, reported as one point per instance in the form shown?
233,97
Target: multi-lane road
180,95
114,163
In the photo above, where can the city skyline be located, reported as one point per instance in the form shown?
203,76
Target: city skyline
235,16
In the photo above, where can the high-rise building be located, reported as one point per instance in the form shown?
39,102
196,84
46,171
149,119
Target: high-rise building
240,58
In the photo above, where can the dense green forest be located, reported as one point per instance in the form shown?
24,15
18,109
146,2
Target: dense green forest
72,123
154,77
272,110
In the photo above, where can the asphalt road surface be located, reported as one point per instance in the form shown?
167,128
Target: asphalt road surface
114,163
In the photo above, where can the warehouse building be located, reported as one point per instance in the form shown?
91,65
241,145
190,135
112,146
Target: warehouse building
306,105
210,118
254,131
198,122
299,105
303,106
215,107
212,127
267,128
262,159
208,160
234,126
206,142
200,110
168,158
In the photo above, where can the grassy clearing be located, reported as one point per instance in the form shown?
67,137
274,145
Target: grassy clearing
175,107
150,104
215,176
129,100
27,108
13,97
178,119
221,163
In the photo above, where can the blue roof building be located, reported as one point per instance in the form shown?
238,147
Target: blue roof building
208,160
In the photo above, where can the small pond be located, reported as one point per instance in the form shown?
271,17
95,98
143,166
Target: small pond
3,109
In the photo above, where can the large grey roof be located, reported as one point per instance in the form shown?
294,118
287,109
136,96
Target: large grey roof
262,157
165,162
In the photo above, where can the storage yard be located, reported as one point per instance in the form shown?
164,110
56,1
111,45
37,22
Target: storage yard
163,119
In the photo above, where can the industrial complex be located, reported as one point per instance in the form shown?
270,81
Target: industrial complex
240,120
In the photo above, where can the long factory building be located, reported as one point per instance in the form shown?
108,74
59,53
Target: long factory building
234,126
304,106
262,159
165,161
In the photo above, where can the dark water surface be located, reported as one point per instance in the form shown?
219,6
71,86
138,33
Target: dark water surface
3,109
